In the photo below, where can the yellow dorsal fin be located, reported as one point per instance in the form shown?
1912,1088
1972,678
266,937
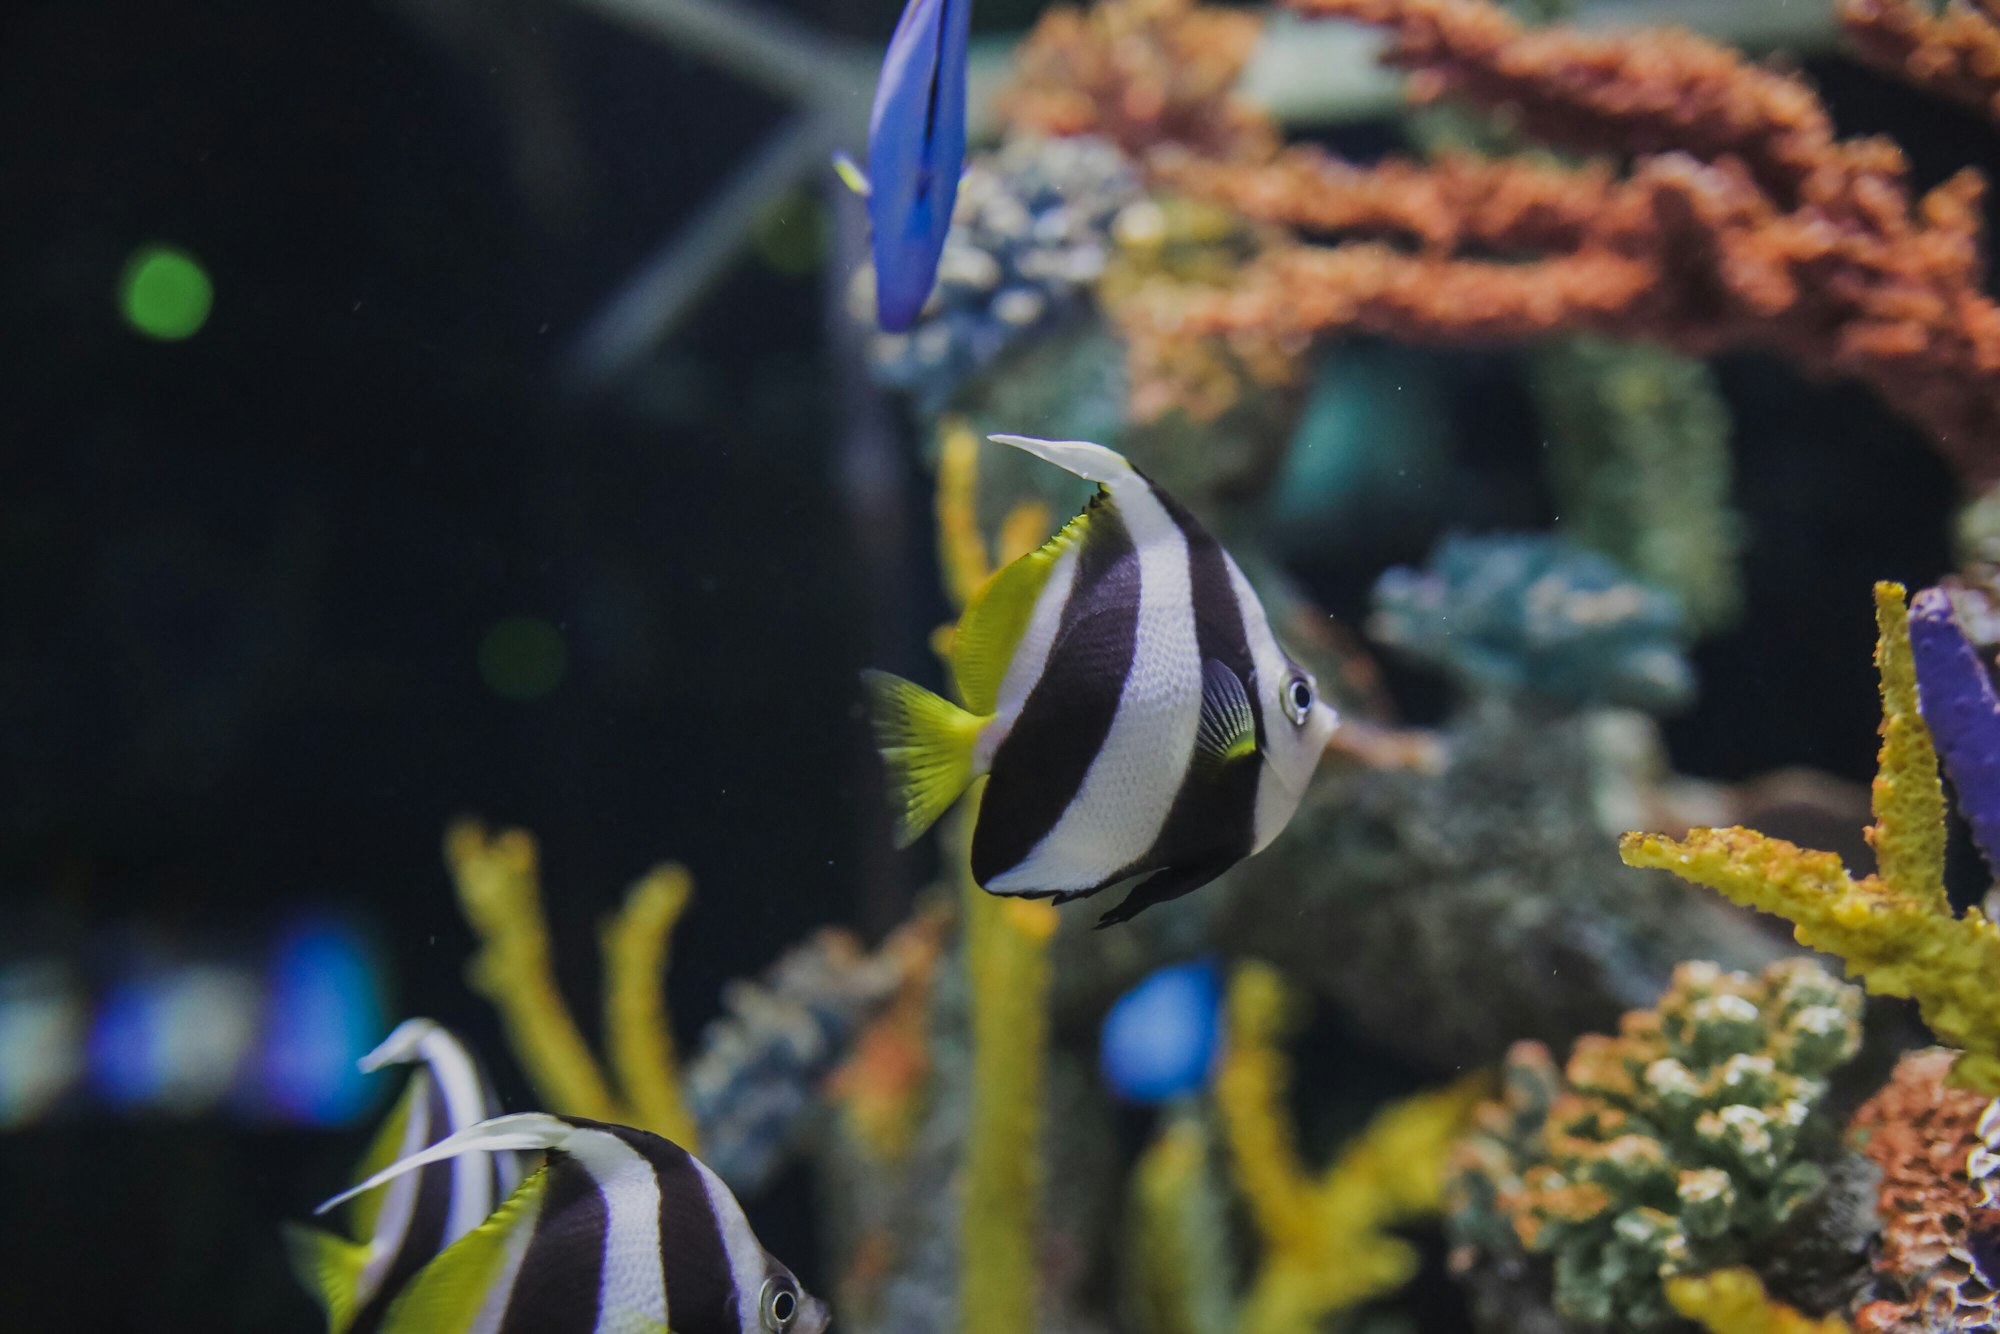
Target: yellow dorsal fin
997,617
330,1268
387,1146
448,1293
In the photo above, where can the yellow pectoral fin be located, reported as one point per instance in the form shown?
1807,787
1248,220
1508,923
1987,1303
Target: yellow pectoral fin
330,1268
448,1294
385,1148
926,741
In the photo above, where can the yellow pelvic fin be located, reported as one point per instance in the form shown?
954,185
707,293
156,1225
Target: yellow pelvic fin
330,1268
448,1293
387,1146
926,741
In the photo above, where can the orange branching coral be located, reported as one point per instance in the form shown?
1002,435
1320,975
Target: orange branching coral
1744,223
1920,1133
1954,54
1142,73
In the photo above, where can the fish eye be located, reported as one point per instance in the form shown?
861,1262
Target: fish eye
1299,699
778,1303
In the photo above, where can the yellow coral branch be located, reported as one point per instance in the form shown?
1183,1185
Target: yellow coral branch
1908,799
1326,1242
500,894
1178,1279
1733,1301
1007,971
637,1032
1895,930
961,550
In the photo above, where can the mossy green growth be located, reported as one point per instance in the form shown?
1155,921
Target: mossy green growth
1673,1148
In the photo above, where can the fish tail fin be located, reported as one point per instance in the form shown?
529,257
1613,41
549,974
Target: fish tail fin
1093,463
926,741
330,1268
520,1131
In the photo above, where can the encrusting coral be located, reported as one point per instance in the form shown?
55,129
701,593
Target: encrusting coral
1326,1244
1895,929
1744,223
1954,54
1922,1135
1672,1149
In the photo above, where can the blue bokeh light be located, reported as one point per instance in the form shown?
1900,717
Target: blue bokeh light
1161,1038
325,1013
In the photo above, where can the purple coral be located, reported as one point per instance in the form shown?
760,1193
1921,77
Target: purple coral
1959,704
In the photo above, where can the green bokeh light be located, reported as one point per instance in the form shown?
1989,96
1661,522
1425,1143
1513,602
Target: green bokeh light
790,236
165,293
522,657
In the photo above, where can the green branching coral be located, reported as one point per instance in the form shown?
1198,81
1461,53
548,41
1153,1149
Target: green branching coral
1671,1149
1639,461
1895,929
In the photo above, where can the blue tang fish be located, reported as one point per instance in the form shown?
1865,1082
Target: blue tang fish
916,153
1125,699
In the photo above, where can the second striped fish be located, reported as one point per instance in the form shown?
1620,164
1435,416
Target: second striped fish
1122,692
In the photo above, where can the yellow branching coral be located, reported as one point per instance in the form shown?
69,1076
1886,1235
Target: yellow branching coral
1895,929
499,890
1178,1279
1007,970
1733,1301
1325,1238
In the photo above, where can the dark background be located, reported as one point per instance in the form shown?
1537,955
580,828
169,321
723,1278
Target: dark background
243,577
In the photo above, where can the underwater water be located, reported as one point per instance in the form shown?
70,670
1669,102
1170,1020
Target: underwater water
1484,823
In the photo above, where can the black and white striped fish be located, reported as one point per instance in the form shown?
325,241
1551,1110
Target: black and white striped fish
396,1233
619,1232
1124,696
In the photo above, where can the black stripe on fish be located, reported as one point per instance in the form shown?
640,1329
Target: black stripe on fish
701,1293
1040,766
430,1212
561,1275
1214,814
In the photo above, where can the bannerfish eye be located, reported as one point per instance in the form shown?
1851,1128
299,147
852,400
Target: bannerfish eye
1299,699
778,1303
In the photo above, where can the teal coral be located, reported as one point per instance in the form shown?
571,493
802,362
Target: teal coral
1671,1149
1531,615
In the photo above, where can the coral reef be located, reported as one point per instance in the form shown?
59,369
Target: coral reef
751,1091
1922,1134
1531,615
1326,1244
1744,222
1733,1301
1895,929
1475,894
1954,54
1142,73
1672,1149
